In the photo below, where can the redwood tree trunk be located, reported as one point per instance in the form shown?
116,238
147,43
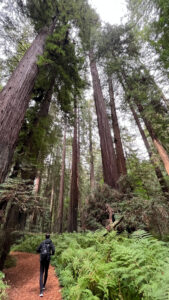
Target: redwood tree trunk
121,162
109,163
35,212
92,177
14,100
80,204
158,172
37,183
74,192
59,223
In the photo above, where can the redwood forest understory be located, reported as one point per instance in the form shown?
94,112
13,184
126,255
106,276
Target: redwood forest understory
84,144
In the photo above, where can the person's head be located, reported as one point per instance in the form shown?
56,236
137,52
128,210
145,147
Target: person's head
47,236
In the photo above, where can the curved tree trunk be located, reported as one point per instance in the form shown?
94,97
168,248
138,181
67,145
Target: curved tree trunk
109,162
121,162
14,100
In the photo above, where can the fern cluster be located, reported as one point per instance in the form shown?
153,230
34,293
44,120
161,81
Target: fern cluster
113,267
104,265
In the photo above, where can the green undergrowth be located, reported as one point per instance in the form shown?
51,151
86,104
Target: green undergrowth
93,266
29,243
3,287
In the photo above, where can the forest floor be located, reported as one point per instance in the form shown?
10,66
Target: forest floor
23,279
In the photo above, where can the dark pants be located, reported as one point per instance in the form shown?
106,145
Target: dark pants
44,266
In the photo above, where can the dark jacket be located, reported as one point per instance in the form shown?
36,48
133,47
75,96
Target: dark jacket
51,247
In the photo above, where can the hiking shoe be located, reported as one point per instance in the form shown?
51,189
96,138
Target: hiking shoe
41,295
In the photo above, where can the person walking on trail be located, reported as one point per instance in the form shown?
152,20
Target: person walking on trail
46,249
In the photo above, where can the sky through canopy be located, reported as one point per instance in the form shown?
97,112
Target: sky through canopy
110,11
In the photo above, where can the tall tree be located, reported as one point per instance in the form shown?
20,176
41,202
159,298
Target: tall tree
123,59
121,162
109,162
89,25
92,177
59,222
18,90
74,191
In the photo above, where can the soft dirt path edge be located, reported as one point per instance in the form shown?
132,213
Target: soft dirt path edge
24,279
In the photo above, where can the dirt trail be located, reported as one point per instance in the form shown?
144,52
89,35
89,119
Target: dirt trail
24,279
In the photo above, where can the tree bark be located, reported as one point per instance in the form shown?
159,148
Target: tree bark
158,172
80,204
14,100
37,182
51,198
121,162
163,154
59,224
109,163
92,177
74,192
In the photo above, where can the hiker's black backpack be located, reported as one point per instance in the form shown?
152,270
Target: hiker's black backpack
45,252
